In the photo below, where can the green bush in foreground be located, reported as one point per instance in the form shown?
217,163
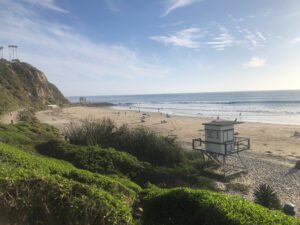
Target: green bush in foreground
140,142
39,190
196,207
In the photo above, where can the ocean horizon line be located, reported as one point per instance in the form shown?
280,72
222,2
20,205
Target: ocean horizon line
183,93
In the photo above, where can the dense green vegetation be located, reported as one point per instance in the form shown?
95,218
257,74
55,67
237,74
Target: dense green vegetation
110,161
140,142
194,207
93,158
22,85
38,190
27,135
92,186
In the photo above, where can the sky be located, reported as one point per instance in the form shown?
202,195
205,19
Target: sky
116,47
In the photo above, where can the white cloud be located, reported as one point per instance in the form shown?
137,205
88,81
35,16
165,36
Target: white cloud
188,38
175,4
68,58
48,4
173,24
253,39
214,36
222,41
255,62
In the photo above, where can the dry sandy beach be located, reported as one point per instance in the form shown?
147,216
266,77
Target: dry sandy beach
280,140
271,160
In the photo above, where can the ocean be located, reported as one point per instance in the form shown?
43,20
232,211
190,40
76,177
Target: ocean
281,107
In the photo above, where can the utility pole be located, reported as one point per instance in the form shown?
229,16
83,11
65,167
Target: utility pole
11,52
16,47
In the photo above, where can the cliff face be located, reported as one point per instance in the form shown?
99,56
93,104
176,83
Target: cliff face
22,85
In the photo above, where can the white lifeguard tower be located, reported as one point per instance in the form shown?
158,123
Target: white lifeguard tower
220,142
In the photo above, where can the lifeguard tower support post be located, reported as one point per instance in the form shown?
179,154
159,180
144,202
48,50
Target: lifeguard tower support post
221,142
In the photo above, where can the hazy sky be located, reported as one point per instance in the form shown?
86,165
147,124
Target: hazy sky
106,47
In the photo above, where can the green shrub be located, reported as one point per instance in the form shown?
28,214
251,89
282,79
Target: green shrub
34,188
93,158
194,207
27,115
110,161
266,196
27,135
149,146
92,132
140,142
45,200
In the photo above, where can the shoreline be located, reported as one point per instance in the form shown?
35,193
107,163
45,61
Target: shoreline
116,107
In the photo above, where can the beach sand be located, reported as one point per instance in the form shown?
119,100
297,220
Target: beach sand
275,139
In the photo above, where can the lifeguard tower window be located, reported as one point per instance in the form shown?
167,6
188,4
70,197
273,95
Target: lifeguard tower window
228,135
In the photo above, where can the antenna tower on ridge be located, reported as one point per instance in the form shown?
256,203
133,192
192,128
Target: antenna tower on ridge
13,52
16,51
10,52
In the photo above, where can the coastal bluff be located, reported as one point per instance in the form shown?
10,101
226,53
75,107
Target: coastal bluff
23,85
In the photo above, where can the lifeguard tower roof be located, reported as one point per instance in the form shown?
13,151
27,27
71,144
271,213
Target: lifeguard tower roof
222,123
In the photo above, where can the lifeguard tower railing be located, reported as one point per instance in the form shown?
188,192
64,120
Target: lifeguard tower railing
239,144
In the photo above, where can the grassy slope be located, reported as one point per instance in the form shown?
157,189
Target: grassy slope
24,176
27,135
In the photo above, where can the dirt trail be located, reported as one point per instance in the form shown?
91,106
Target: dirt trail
8,117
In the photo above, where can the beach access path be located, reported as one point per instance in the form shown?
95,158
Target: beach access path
8,117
